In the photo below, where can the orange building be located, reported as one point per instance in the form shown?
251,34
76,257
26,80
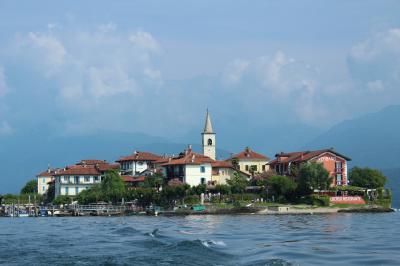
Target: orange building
334,162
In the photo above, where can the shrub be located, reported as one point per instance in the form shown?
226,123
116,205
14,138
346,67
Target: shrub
367,177
191,200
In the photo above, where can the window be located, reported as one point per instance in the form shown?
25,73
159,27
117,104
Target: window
76,190
339,179
202,180
87,178
44,180
96,178
66,190
65,178
247,167
263,167
254,168
43,188
202,169
209,142
338,166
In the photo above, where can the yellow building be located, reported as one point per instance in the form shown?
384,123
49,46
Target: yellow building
43,180
223,171
250,162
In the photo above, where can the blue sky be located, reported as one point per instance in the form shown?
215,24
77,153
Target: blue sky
155,66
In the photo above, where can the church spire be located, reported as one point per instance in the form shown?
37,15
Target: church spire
208,125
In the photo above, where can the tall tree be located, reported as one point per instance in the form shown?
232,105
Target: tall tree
367,178
312,176
30,187
113,187
282,186
238,183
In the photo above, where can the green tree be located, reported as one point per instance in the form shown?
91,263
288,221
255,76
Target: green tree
62,199
30,187
235,163
91,195
282,186
312,176
367,178
197,190
154,181
237,183
223,189
112,187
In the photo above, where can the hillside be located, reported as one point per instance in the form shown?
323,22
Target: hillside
371,140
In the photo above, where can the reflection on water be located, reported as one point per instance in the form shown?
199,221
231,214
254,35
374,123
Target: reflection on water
352,239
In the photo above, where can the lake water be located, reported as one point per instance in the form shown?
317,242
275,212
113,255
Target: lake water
348,239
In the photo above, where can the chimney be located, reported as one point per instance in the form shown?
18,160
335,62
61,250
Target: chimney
190,147
193,157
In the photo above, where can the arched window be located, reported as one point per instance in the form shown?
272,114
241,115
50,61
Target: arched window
209,142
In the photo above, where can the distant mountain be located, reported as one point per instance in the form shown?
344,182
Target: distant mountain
22,156
393,183
372,140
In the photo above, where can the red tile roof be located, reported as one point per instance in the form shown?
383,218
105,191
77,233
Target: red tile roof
303,156
47,173
107,166
189,157
249,154
221,164
131,179
140,156
79,170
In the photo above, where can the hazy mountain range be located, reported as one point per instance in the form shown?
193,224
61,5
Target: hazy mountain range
371,140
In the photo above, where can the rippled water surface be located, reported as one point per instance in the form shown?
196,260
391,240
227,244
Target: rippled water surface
348,239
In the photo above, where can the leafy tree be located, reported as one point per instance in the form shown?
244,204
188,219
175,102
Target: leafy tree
62,199
170,194
312,176
367,178
253,169
144,196
282,186
112,187
91,195
237,183
223,189
154,181
197,190
30,187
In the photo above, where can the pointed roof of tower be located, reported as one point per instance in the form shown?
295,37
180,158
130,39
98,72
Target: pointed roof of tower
208,125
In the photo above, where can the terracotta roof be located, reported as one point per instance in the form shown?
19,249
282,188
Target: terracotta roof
131,179
249,154
92,162
107,166
302,156
140,156
48,173
189,157
222,164
79,170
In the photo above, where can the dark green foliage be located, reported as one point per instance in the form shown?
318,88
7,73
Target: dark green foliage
222,189
367,178
112,187
154,181
62,199
170,194
144,196
30,187
92,195
197,190
193,199
312,176
237,183
282,187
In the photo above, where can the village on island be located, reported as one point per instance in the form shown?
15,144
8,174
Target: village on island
313,181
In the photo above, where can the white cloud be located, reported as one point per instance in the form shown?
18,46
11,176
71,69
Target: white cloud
234,71
145,41
3,84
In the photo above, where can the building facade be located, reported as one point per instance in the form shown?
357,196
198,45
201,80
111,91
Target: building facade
250,161
73,179
189,167
44,179
138,162
334,162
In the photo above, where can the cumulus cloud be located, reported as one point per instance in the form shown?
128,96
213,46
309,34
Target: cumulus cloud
145,41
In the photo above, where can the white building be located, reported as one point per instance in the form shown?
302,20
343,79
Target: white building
138,162
189,167
43,180
72,180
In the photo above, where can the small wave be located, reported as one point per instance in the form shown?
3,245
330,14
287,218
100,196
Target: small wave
269,262
125,230
210,243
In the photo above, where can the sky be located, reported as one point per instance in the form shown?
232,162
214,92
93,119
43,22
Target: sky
155,66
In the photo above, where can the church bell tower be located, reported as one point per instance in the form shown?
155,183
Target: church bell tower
208,139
